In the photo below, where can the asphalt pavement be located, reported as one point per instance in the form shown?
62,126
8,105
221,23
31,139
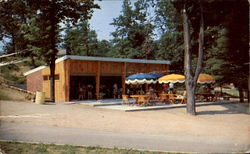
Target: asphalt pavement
75,136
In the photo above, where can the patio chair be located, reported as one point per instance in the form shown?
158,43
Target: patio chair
143,101
163,98
125,99
184,97
171,98
153,99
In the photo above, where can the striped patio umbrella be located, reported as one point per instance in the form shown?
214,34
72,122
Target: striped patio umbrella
172,78
205,78
140,78
156,75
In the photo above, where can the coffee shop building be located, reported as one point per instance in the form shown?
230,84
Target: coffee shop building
72,71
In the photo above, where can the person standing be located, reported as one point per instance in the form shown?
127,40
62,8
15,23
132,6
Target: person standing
115,90
89,90
171,88
80,92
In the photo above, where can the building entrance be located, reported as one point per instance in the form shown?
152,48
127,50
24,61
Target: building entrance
107,86
82,87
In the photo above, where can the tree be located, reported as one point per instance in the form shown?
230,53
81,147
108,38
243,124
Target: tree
170,44
226,37
44,23
191,76
80,40
12,15
133,35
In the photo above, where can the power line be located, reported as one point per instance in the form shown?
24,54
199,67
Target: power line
12,62
8,55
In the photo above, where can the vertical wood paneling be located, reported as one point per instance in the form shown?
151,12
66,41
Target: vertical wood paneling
67,67
67,79
124,72
98,73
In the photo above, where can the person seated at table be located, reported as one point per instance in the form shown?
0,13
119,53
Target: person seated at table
150,91
174,91
141,92
128,91
183,97
120,91
212,94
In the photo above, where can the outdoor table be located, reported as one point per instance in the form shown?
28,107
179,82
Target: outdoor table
207,96
140,99
163,97
168,97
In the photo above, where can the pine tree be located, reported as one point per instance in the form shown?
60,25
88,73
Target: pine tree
44,23
133,35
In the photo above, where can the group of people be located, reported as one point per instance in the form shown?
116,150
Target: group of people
117,92
111,91
88,91
85,91
142,89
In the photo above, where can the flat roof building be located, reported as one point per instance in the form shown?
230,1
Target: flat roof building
94,73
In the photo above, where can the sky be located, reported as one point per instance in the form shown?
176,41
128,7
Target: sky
101,19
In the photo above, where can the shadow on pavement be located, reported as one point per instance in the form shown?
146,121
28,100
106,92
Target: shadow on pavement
239,108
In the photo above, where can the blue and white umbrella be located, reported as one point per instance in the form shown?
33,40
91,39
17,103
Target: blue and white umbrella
156,75
140,78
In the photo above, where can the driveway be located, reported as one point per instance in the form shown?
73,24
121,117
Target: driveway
216,128
76,136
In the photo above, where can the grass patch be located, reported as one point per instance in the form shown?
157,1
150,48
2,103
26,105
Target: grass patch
10,94
32,148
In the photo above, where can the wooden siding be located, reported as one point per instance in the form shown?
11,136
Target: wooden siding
69,67
111,68
59,84
133,68
81,67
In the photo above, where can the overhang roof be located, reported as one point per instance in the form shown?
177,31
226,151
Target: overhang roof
34,70
74,57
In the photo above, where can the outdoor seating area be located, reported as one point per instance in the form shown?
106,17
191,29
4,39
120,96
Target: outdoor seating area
149,89
150,100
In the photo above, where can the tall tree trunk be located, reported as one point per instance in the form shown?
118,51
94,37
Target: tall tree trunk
241,93
53,54
86,42
191,77
52,78
188,65
33,61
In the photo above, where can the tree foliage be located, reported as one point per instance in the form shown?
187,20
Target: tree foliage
170,44
133,35
12,14
42,30
79,39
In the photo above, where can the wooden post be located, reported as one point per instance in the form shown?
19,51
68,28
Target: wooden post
66,83
124,72
98,80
